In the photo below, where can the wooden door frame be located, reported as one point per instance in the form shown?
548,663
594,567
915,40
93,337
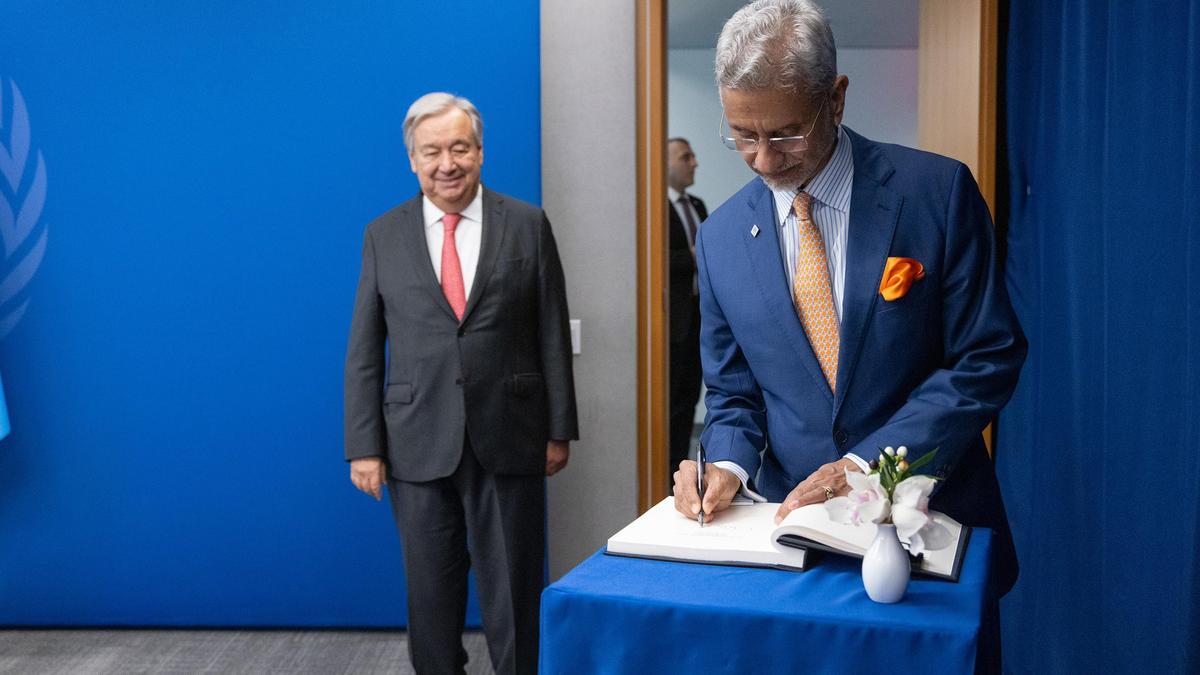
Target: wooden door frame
956,112
957,97
652,338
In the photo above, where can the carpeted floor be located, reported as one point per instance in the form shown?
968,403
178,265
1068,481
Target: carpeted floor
179,652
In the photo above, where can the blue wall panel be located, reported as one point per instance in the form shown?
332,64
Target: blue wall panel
174,381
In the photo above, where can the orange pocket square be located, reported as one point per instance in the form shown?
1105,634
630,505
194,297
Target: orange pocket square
898,276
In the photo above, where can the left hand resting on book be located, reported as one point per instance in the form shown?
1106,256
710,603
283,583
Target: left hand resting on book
811,490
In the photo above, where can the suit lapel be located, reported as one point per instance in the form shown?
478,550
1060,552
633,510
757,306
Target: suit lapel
768,270
493,233
874,211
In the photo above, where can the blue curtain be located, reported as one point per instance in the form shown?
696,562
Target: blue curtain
1098,449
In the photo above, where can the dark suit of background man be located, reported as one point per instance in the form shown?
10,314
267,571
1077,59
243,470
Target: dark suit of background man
473,403
811,368
685,214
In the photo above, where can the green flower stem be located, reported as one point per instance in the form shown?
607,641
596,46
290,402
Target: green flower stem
890,474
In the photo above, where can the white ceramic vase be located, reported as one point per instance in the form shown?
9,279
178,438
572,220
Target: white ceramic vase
886,567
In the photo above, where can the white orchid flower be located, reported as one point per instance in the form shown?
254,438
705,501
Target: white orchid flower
910,514
866,503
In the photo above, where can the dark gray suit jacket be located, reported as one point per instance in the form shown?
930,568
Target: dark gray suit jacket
681,269
502,375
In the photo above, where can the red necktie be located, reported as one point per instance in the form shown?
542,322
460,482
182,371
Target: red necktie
452,278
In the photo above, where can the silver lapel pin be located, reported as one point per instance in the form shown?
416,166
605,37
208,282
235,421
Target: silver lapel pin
754,231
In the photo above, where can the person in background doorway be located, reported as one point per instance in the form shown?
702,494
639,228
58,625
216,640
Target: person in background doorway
686,212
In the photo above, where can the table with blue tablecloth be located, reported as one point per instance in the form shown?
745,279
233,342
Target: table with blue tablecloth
629,615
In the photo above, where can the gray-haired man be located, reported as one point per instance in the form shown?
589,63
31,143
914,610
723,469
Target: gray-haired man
850,293
459,392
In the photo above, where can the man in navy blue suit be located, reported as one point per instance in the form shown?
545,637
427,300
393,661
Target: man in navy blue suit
850,295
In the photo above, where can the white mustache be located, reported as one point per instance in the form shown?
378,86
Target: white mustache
779,179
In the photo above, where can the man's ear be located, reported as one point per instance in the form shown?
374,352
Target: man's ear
837,101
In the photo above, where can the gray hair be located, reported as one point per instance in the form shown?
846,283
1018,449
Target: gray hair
434,104
777,44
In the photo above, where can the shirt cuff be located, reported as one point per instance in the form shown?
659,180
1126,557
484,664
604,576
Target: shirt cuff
862,464
743,477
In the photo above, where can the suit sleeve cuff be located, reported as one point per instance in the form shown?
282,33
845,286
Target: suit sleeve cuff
862,464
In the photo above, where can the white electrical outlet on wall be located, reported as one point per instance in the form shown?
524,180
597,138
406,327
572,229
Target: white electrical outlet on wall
575,339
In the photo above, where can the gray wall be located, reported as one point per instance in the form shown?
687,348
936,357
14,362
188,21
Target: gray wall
588,190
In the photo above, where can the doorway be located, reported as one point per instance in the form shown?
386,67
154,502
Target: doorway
922,73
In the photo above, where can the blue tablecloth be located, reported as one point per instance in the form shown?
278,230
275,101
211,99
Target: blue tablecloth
627,615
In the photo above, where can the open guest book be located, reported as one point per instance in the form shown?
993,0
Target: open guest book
745,534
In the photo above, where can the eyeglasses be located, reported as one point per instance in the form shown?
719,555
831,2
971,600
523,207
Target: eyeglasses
749,146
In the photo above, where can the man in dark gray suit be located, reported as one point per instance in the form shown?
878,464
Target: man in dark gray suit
473,401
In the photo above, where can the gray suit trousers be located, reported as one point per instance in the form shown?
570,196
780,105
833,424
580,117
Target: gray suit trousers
494,522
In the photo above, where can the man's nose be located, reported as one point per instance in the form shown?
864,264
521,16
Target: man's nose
445,163
766,159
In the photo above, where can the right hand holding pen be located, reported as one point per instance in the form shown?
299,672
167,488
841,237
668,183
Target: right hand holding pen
721,486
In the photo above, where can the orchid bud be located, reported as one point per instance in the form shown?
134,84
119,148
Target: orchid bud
888,451
902,451
902,465
881,458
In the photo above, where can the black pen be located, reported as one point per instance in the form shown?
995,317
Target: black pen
700,482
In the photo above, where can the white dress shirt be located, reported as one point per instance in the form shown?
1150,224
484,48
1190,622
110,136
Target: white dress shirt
831,189
468,237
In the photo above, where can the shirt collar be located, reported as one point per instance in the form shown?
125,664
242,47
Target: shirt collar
674,194
433,215
831,186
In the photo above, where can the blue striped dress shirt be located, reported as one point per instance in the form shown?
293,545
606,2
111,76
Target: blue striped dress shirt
830,189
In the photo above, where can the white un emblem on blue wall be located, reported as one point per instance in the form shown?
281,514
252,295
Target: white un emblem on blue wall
22,196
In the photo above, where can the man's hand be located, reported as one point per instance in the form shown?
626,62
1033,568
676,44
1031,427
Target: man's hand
557,454
368,475
720,487
812,489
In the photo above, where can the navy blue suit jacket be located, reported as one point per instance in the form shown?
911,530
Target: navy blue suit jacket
927,370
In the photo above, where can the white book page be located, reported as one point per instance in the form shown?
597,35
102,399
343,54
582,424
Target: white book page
741,533
813,522
746,534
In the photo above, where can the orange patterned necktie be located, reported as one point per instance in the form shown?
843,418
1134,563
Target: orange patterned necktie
811,290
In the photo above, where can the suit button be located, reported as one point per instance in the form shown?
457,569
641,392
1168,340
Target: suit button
840,437
462,332
458,381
